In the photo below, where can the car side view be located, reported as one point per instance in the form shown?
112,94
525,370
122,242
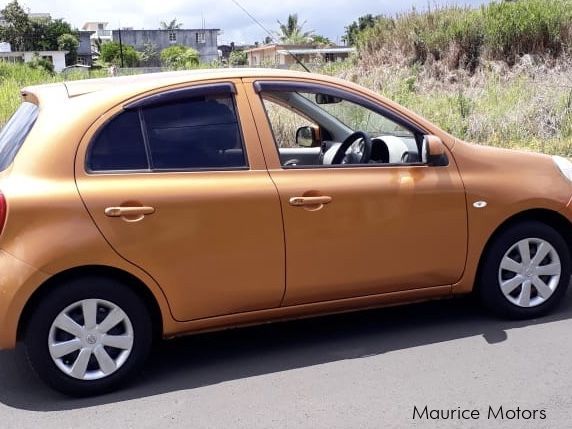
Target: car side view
147,207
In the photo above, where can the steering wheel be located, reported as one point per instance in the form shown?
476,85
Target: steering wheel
342,158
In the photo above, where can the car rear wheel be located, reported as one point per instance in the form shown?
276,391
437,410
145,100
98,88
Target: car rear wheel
88,336
525,272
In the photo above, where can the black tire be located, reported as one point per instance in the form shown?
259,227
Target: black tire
43,315
488,286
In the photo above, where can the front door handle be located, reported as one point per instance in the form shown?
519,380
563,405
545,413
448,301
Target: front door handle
129,211
310,201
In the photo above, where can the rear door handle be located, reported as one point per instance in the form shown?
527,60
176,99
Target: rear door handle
129,211
310,201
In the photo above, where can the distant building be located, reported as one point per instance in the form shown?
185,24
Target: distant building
225,50
282,55
57,58
203,40
85,49
99,30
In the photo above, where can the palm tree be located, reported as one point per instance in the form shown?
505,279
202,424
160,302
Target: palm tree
292,33
173,25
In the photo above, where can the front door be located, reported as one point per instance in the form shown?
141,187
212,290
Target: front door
169,183
352,229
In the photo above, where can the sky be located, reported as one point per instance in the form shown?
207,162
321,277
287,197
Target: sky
326,17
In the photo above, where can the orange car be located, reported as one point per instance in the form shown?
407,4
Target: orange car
153,206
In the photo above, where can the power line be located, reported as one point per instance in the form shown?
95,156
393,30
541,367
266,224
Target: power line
270,34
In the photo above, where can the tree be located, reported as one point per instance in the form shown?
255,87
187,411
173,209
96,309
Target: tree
352,30
172,25
110,53
149,56
68,42
180,57
292,33
321,41
238,58
18,30
24,34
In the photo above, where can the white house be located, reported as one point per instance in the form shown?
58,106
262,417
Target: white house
57,58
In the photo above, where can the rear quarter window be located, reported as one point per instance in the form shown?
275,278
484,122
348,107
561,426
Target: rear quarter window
14,133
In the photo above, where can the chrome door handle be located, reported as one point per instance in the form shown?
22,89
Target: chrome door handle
310,201
129,211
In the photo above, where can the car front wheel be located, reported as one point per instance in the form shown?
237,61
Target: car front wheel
88,336
526,271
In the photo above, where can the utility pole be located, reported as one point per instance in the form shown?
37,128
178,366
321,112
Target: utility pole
120,47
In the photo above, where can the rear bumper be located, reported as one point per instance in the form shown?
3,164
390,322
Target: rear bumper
18,281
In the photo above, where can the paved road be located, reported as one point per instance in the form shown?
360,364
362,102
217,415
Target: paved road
360,370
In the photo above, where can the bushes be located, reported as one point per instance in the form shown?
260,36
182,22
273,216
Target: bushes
180,57
461,36
12,78
110,53
531,26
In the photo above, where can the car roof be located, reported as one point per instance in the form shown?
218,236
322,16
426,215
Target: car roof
71,89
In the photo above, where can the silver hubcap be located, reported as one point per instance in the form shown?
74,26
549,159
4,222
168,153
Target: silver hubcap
90,339
529,272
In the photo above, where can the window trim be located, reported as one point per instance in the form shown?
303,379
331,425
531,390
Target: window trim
288,86
169,96
178,94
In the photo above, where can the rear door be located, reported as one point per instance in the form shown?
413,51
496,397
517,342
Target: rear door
177,184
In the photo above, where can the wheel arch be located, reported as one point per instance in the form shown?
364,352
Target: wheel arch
548,217
128,279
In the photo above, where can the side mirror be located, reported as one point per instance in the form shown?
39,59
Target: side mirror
434,152
307,137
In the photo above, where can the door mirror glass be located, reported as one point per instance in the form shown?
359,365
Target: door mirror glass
434,152
307,137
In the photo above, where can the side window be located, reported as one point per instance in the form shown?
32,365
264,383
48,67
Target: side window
285,122
193,133
336,120
119,145
200,132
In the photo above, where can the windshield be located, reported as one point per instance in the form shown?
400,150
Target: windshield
15,131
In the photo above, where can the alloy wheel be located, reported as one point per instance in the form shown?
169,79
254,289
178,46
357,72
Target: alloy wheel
529,272
90,339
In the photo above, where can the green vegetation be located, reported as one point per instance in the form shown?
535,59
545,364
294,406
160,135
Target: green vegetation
180,57
292,33
238,58
171,25
110,53
462,37
14,77
25,34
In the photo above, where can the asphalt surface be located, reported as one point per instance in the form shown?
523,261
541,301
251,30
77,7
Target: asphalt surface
360,370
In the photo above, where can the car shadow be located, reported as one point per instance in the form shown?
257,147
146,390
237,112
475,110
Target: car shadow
211,358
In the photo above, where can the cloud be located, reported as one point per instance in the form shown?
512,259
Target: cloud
325,17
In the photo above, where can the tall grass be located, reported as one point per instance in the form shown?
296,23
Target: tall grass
13,77
461,36
526,106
